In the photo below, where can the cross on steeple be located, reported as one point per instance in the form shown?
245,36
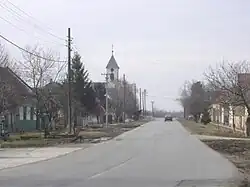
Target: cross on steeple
112,49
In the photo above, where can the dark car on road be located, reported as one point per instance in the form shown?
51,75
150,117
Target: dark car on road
168,118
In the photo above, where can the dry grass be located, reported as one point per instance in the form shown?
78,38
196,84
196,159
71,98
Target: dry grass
25,143
210,129
36,139
110,131
93,134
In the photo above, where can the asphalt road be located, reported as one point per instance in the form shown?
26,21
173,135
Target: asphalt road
157,154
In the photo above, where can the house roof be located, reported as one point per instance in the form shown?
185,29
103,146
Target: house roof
53,86
112,63
10,77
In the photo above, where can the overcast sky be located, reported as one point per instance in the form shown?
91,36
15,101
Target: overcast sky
158,43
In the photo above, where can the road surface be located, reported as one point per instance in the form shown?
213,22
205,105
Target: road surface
157,154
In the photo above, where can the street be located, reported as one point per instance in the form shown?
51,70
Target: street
157,154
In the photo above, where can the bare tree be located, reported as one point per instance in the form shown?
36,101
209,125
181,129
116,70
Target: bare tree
6,96
195,99
232,80
6,61
38,72
185,98
4,56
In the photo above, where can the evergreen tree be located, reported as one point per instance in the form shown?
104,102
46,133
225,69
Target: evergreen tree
82,85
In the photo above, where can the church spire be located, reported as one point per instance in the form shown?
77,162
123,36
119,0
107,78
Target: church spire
112,62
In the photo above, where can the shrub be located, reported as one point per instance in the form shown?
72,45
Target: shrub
205,118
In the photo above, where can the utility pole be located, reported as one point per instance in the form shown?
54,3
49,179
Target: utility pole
135,97
140,101
69,83
124,97
152,102
145,102
107,99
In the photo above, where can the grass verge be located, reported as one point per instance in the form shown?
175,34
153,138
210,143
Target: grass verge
36,139
210,129
111,131
25,143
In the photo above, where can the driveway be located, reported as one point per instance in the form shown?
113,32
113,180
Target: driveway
157,154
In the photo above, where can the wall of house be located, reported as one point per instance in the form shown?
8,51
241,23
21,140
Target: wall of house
215,113
234,115
239,117
239,122
221,115
22,118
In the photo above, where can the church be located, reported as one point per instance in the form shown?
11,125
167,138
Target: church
117,87
112,73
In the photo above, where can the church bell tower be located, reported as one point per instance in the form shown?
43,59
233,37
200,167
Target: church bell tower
112,68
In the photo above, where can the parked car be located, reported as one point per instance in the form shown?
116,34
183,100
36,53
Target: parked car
168,118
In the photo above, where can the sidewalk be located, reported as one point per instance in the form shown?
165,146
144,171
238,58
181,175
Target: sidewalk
10,158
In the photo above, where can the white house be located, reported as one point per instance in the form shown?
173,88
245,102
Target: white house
230,116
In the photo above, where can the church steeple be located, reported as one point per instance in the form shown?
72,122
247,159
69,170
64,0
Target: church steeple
112,66
112,62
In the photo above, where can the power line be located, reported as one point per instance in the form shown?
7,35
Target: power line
22,30
26,13
13,12
29,51
22,18
12,24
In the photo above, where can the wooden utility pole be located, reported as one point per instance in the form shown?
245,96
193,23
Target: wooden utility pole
135,97
124,97
145,102
69,84
140,101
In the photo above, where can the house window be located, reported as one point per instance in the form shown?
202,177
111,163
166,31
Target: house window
24,112
28,113
32,112
21,113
